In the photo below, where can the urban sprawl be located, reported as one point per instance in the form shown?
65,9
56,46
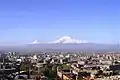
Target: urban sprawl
60,66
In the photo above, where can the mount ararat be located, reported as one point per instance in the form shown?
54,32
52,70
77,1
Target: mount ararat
64,39
63,44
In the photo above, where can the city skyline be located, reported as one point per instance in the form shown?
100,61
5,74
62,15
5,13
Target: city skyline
24,21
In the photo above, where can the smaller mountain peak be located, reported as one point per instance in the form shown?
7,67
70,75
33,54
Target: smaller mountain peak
35,42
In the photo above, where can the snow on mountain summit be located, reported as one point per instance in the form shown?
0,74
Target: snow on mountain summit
35,42
64,39
68,39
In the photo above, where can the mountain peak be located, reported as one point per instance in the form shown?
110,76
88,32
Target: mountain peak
68,39
35,42
64,39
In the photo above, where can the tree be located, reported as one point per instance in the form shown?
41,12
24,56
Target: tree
23,67
99,73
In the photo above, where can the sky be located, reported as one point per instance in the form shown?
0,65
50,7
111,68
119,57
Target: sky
23,21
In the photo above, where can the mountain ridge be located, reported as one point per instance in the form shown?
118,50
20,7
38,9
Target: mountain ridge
64,39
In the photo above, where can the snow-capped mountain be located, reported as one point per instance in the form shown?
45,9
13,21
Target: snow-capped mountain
64,39
65,44
35,42
68,39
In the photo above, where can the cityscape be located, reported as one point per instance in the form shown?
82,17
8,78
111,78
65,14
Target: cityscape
60,66
59,39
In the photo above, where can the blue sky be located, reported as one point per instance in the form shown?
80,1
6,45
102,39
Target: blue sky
23,21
